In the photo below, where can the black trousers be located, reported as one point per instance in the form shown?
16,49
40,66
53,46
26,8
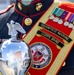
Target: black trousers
66,72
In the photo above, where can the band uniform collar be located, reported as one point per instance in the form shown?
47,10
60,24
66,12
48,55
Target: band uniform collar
31,9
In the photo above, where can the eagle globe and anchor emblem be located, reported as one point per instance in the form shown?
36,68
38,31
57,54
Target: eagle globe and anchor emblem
15,56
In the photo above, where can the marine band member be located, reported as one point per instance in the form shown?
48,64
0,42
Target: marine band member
27,13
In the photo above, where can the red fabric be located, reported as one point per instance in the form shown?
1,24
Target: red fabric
67,6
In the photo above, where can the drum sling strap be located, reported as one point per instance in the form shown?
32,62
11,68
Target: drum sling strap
63,52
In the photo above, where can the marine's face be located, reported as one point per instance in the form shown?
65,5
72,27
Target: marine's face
26,2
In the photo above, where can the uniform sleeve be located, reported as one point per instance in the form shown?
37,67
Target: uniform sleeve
7,9
4,18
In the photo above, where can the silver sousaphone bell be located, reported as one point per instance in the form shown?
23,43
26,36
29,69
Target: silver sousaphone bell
14,54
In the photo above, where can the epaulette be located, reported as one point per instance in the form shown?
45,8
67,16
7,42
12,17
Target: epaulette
8,8
67,6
